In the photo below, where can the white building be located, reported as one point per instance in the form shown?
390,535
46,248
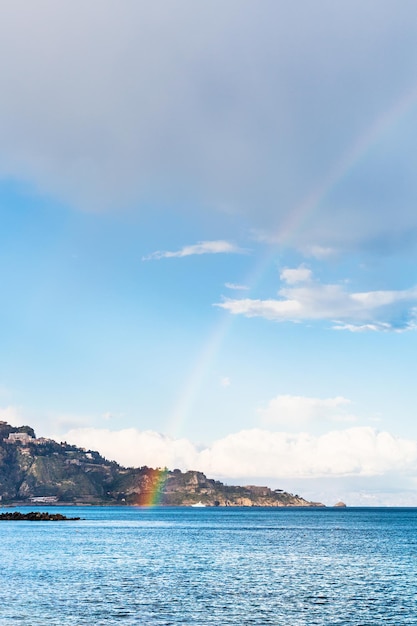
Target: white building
19,437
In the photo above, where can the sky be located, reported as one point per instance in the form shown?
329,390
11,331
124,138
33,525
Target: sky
208,237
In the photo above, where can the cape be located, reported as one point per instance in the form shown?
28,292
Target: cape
42,471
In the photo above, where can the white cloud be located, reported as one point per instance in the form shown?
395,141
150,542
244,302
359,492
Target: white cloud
236,287
135,448
225,381
297,275
309,301
380,326
202,247
298,410
258,453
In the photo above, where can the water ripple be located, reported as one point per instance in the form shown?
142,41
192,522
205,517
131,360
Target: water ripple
242,567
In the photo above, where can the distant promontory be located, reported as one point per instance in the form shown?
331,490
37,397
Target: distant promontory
42,471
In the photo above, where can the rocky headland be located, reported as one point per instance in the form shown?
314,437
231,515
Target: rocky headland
41,471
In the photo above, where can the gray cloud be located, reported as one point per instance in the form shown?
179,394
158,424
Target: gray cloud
259,109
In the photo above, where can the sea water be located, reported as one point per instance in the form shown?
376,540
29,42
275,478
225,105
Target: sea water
171,566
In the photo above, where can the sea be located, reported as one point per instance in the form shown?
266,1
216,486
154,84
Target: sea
203,566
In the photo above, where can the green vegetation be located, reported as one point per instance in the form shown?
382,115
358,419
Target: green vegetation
34,469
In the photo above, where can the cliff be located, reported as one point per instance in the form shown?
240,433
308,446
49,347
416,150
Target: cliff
41,470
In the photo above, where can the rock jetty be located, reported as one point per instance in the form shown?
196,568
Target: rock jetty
36,517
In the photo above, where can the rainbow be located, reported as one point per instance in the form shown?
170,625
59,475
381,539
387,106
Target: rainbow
343,166
196,378
153,494
356,152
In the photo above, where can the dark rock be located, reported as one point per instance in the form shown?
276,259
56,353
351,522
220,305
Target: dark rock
36,516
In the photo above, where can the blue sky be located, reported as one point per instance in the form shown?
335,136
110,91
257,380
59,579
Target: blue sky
208,237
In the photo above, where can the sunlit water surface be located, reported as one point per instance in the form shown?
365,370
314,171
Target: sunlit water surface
123,565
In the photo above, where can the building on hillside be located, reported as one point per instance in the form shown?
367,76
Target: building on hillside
258,491
42,441
19,438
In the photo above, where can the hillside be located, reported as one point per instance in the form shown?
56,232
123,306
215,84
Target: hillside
38,470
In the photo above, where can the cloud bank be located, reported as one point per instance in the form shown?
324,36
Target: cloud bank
358,451
305,300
